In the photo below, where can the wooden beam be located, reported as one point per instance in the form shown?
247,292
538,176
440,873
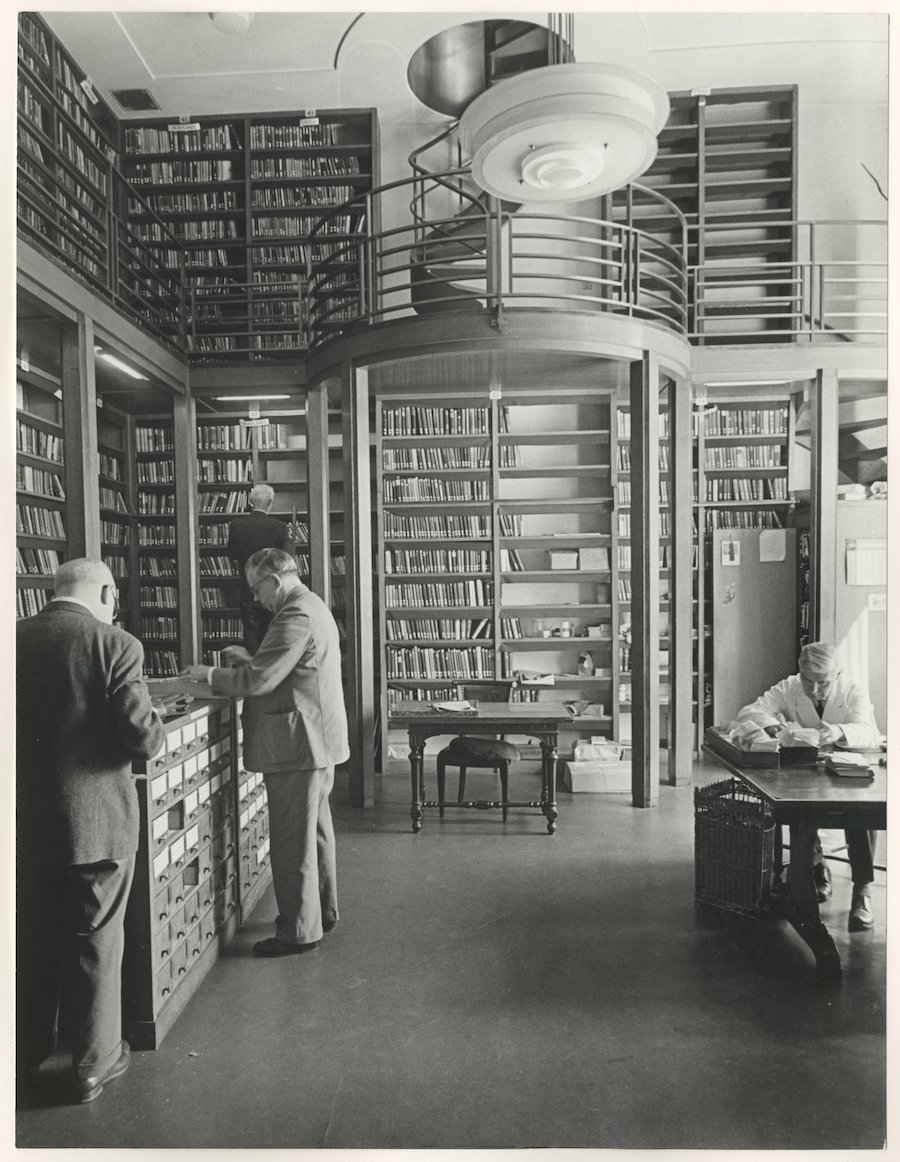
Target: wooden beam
360,683
644,402
681,588
318,484
823,504
187,528
82,464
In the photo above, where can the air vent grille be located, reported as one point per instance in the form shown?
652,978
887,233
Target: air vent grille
135,100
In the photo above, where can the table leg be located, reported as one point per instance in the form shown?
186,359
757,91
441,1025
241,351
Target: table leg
417,773
548,786
801,902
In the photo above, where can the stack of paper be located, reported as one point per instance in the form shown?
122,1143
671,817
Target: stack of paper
849,763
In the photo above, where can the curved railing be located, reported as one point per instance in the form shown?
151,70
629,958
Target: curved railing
486,257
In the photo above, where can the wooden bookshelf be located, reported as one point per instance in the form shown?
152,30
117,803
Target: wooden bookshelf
41,507
743,455
240,194
66,154
494,550
158,626
118,508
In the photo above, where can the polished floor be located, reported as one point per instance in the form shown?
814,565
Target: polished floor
490,986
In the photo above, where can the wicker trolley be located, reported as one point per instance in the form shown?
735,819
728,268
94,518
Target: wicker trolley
734,839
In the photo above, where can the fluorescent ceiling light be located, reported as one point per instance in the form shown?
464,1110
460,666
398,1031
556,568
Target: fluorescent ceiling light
747,382
115,361
229,398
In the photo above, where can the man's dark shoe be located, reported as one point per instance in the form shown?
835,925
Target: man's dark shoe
329,925
861,918
822,878
275,947
87,1088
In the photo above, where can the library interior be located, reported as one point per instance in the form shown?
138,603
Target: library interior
561,343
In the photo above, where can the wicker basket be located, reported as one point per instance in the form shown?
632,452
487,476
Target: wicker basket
734,838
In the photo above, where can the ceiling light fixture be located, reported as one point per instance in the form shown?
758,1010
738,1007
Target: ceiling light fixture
229,398
114,361
564,133
232,23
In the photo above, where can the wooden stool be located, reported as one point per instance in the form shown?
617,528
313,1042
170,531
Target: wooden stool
471,751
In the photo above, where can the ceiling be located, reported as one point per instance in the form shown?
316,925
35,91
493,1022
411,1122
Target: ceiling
297,58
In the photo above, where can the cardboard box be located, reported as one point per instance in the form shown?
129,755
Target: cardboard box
596,777
563,558
596,558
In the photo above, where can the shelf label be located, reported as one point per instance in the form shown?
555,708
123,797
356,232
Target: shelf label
495,393
184,125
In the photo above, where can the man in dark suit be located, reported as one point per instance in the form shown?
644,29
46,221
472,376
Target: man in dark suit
295,731
247,534
83,712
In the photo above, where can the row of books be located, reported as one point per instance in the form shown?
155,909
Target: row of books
222,628
623,524
287,197
153,439
72,149
39,481
36,442
216,597
224,502
112,499
217,565
758,519
427,488
164,596
161,663
624,556
434,459
156,503
158,628
36,521
110,466
438,662
405,629
436,527
158,173
437,560
181,139
309,131
745,456
397,694
745,488
303,167
37,562
31,601
439,594
756,421
151,534
192,202
158,566
231,471
114,533
435,421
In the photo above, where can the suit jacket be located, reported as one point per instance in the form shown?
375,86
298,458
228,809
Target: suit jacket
250,532
83,713
847,706
293,715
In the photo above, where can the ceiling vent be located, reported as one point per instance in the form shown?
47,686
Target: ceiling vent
135,100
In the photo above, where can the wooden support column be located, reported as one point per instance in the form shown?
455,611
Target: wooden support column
318,485
82,464
187,527
644,401
681,598
360,684
824,422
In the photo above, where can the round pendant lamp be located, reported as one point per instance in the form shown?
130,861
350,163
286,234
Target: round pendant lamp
563,133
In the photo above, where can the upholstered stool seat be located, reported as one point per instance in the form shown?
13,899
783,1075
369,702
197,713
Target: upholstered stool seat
473,751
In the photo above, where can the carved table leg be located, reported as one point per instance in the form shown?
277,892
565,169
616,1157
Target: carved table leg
417,773
548,788
802,904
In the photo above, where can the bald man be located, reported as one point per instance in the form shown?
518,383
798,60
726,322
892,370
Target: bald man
821,698
83,713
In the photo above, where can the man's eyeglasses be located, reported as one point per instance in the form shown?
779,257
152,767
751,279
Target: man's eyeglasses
257,585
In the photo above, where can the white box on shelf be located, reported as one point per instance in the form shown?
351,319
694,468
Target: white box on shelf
563,558
597,777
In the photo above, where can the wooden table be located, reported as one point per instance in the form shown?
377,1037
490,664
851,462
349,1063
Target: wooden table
540,720
805,799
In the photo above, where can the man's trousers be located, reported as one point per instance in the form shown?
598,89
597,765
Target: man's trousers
302,848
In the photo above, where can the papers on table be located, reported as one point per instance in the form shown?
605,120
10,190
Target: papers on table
850,764
458,707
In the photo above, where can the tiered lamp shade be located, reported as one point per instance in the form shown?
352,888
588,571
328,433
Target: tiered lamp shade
563,133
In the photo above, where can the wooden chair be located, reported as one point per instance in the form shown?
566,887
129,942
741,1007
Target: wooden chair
478,751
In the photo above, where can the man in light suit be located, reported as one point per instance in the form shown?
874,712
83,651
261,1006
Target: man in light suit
83,712
247,534
819,697
295,731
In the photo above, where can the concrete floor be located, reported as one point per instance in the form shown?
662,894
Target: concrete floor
489,986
